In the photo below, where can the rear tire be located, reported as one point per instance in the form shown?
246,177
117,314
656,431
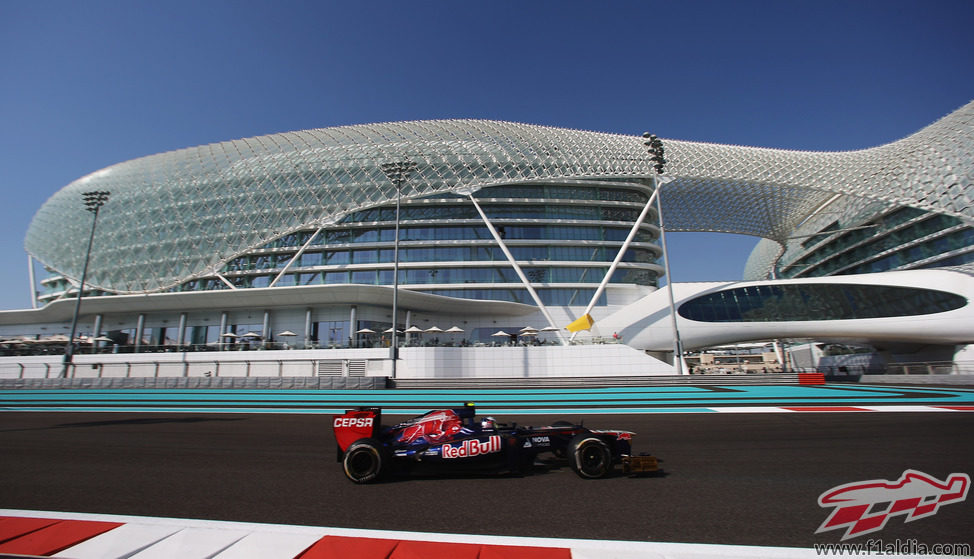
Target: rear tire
365,461
559,451
589,456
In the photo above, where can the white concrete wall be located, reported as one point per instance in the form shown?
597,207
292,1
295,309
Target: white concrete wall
415,362
302,363
529,361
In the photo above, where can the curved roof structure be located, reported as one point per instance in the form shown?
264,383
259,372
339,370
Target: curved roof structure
180,215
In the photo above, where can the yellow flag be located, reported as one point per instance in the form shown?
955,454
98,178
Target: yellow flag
583,323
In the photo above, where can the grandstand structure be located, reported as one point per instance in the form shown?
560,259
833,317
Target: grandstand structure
500,227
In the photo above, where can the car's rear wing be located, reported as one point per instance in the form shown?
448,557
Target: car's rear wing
356,424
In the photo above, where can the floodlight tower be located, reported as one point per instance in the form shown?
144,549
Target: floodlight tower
656,155
397,172
93,201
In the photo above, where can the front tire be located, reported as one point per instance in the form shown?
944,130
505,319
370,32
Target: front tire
365,461
589,456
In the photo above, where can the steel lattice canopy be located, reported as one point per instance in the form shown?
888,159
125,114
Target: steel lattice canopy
183,214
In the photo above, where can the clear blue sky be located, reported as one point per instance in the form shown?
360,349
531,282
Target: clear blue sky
84,85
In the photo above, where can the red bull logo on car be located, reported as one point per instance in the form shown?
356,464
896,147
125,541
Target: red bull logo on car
472,447
431,427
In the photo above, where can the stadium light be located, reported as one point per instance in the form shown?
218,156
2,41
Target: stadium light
93,201
655,146
397,173
656,154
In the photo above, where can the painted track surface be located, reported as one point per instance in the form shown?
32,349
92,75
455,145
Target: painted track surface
96,536
745,479
554,401
85,536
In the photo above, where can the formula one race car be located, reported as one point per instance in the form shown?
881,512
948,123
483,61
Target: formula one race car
452,440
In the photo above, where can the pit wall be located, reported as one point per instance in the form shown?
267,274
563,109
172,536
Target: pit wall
414,362
222,364
529,361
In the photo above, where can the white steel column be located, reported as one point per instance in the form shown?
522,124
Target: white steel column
623,248
517,269
677,344
409,320
224,280
181,330
295,258
352,327
30,276
223,330
139,329
307,328
782,355
96,332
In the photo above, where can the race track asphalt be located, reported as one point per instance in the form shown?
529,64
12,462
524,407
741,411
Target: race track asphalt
744,478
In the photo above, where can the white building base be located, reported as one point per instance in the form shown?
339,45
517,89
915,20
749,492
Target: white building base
414,362
529,361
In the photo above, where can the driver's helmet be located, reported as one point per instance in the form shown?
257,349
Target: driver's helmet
487,423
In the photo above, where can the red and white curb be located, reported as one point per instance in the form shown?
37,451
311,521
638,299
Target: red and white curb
100,536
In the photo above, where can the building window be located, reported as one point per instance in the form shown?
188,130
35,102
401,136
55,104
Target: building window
787,303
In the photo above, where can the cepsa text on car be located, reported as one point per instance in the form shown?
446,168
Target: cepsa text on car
353,422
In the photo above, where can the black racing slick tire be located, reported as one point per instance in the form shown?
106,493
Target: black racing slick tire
365,461
589,456
559,451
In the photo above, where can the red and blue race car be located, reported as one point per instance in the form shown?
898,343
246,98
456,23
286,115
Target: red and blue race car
453,440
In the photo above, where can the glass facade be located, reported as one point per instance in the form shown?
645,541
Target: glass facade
562,250
176,217
902,239
808,302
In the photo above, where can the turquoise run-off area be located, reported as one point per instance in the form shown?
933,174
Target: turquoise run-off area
670,399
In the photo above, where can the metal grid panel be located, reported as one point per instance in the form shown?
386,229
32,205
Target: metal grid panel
184,214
